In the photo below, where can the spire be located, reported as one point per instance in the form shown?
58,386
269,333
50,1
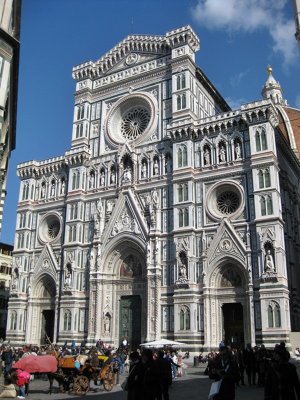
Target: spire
272,89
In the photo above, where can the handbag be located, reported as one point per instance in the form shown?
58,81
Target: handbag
214,389
124,385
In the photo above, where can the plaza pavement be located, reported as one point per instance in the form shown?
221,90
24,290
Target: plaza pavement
193,386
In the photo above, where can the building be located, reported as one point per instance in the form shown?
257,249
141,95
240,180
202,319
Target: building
5,278
171,216
10,12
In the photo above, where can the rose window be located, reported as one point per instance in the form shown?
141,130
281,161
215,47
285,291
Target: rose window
227,202
132,118
225,199
53,229
50,227
134,123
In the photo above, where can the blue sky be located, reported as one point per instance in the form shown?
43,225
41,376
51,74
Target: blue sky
238,39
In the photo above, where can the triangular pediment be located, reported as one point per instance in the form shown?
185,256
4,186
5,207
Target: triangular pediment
136,49
226,243
126,218
46,263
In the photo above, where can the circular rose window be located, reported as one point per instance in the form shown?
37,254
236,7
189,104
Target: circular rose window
50,228
225,199
134,123
133,118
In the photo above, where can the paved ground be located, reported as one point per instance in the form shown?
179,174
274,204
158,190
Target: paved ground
193,386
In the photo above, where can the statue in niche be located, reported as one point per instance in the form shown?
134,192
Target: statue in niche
100,209
106,323
237,150
269,263
92,259
222,153
102,179
144,170
112,177
182,271
15,278
206,156
155,198
68,276
52,191
127,175
155,168
92,180
63,186
43,191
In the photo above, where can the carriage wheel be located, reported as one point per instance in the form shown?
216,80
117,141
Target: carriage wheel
108,380
81,384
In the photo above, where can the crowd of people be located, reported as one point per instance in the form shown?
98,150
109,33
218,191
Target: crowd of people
149,373
262,367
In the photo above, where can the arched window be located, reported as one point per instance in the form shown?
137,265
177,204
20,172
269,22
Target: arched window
25,192
181,101
274,317
179,157
75,180
261,140
67,320
184,156
13,320
180,81
185,318
180,218
264,178
183,192
261,179
269,205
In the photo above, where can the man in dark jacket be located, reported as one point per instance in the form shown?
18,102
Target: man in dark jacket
164,369
282,382
249,362
227,370
7,357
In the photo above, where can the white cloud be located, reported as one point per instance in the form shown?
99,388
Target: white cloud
249,16
236,79
235,104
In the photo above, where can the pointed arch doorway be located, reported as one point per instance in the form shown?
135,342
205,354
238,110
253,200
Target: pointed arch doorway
42,311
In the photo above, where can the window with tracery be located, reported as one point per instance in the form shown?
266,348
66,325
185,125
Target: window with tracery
261,140
266,205
135,122
183,217
13,320
182,156
264,178
180,81
274,315
185,318
181,101
183,192
25,192
67,320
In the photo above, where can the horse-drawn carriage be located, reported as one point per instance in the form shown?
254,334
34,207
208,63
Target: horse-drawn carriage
75,373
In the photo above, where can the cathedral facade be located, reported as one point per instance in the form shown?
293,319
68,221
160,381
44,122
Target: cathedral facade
171,216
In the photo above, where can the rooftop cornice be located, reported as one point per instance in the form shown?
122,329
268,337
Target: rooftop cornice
153,44
248,114
78,155
38,168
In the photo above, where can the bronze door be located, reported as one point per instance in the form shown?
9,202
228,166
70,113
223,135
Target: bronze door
130,320
233,323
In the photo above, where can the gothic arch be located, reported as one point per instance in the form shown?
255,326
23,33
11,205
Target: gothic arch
44,287
121,247
214,278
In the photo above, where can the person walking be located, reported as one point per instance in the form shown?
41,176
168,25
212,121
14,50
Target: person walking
249,361
135,377
226,370
163,366
282,382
